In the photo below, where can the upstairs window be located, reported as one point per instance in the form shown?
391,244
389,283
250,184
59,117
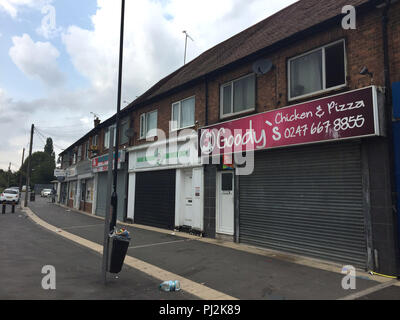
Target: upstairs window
238,96
317,71
148,124
107,138
87,150
94,141
183,114
79,153
123,138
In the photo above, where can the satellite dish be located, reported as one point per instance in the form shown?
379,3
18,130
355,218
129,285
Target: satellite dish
262,66
129,132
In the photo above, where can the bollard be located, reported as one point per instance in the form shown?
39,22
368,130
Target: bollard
13,208
3,209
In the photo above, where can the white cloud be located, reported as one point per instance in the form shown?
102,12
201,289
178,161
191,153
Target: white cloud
13,6
153,38
37,59
153,48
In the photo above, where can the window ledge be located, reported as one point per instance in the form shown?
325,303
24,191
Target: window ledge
235,115
178,129
319,93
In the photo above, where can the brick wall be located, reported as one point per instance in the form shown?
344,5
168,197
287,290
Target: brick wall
363,48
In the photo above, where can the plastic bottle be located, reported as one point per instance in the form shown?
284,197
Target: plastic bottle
170,286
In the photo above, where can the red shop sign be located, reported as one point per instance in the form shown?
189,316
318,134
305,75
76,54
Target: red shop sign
352,114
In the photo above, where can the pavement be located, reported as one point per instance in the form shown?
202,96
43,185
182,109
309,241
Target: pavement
26,247
211,265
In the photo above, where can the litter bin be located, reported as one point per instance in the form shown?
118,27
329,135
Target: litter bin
32,198
119,243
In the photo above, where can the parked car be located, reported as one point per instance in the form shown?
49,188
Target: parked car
9,196
46,192
24,189
14,188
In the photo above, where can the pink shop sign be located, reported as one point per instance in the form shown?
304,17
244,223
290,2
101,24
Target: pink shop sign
353,114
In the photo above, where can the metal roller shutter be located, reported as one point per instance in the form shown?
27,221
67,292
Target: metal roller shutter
102,194
155,198
306,200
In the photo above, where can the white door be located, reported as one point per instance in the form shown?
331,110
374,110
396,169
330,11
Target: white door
225,216
188,198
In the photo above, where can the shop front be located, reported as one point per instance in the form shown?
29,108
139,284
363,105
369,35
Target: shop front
100,197
166,185
304,185
84,186
69,188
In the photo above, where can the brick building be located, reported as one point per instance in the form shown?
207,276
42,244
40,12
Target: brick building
329,197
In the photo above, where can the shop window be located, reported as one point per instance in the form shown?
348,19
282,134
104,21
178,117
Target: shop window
183,114
317,71
72,190
226,184
89,190
83,191
238,96
148,124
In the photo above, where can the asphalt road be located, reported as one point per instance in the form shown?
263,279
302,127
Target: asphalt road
240,274
26,247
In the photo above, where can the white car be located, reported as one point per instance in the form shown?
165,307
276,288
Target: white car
9,196
45,192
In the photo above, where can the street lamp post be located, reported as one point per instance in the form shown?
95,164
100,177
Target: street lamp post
114,197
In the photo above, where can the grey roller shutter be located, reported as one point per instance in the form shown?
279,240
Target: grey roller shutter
101,194
155,198
121,192
306,200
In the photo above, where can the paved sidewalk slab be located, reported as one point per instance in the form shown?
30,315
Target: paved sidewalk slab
26,247
237,273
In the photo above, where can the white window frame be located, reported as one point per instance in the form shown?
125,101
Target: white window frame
143,125
87,150
178,126
94,140
324,89
107,137
79,153
230,83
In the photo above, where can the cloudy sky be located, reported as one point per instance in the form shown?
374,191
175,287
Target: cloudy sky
59,58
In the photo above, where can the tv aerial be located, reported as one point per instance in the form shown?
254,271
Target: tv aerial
94,115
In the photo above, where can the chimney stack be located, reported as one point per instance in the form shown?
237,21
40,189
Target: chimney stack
96,122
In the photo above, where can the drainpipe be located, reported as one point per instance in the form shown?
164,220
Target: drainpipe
389,119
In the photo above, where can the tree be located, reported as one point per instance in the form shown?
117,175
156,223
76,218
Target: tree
48,148
43,165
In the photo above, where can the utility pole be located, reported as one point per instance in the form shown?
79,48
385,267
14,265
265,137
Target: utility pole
186,36
8,175
20,171
114,197
28,170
